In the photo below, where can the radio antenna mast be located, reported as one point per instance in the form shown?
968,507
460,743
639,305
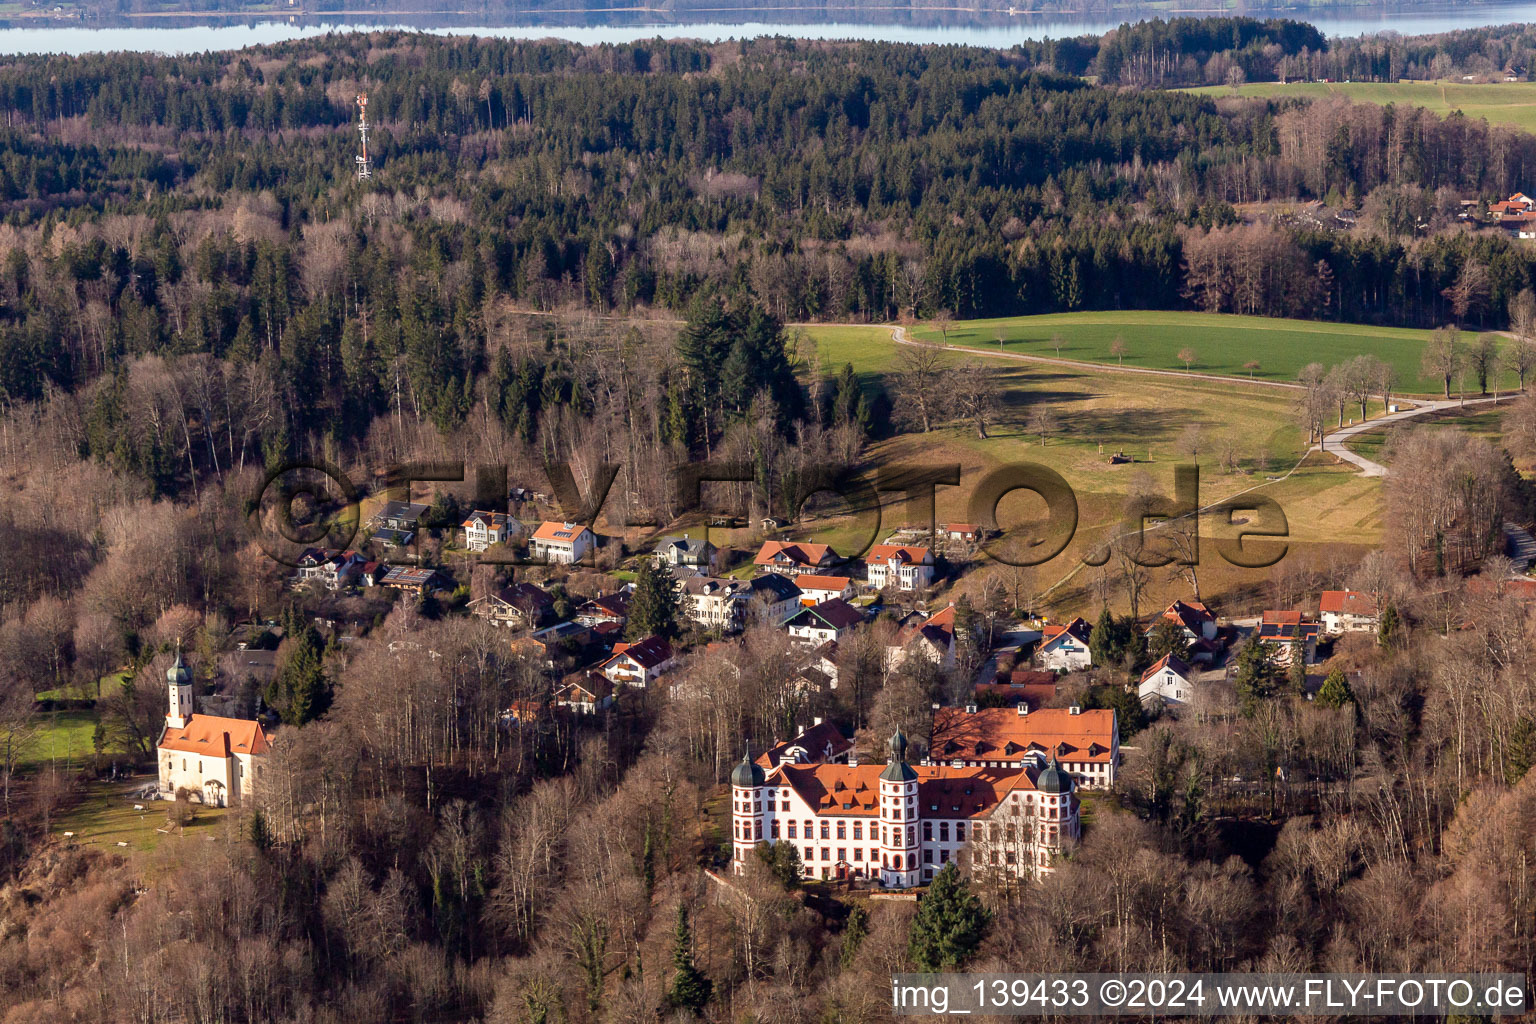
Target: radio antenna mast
363,173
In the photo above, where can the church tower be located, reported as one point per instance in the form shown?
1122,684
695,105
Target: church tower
898,818
179,680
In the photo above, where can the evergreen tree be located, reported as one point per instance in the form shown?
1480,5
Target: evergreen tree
1389,627
949,924
653,605
1335,691
783,860
1101,642
299,692
1255,676
1168,637
1521,753
1296,669
690,989
854,933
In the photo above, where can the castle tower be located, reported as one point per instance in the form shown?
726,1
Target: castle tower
747,782
898,819
179,679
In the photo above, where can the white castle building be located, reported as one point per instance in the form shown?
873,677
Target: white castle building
899,824
219,760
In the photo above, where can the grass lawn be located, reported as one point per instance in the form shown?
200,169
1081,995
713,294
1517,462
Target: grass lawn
64,737
1500,102
1222,343
1326,503
105,817
1482,421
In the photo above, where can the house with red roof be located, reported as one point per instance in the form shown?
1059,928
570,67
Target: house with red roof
1170,680
899,566
1347,611
1032,688
794,558
639,664
1288,636
561,543
1199,627
1065,648
825,622
822,743
931,637
815,589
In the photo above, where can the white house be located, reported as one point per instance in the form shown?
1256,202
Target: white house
816,589
897,825
822,743
931,637
899,566
772,599
586,696
1348,611
639,664
825,622
793,558
561,543
1169,679
219,760
1198,625
482,529
1065,648
687,552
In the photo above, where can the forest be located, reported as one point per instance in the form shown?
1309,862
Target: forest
599,256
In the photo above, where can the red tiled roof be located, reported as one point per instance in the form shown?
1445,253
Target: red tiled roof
213,736
845,791
647,653
809,582
1077,627
1347,602
909,553
562,533
1168,661
799,552
816,740
996,734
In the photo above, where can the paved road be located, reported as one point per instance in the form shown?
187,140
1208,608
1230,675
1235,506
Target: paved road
1334,441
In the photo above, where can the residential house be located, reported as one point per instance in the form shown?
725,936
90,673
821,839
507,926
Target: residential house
608,608
1170,680
333,570
825,622
1287,635
639,664
822,743
714,603
414,580
688,552
1198,625
519,606
794,558
816,589
587,694
771,599
561,543
962,533
1030,687
401,516
1065,648
482,529
931,637
1348,611
1087,743
899,566
772,524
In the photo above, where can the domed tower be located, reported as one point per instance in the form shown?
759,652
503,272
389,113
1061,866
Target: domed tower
747,783
1058,806
179,680
898,818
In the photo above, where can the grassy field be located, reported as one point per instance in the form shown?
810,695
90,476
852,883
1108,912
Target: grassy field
105,816
1499,102
1325,503
62,736
1222,343
1484,421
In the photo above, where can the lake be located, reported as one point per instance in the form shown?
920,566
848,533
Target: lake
973,28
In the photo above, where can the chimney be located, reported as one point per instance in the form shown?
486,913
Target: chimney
1076,710
970,709
935,705
853,758
815,721
1023,709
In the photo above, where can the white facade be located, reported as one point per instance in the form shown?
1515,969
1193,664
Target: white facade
1168,679
561,543
216,759
900,825
1065,652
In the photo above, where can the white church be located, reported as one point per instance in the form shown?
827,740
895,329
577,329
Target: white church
219,760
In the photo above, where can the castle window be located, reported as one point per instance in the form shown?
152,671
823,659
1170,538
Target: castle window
858,830
927,856
842,853
842,830
927,831
943,831
911,835
826,853
826,830
794,832
774,830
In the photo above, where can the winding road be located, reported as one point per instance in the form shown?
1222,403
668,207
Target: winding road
1333,441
